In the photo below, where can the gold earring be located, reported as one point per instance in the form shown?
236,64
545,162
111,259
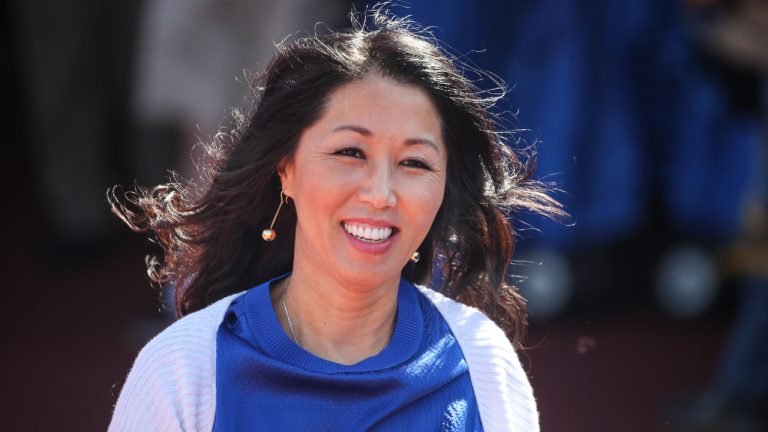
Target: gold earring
415,257
270,234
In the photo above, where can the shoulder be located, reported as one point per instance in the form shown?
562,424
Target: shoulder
172,382
465,319
194,331
188,344
504,394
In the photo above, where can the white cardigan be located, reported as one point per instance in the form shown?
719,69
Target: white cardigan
172,385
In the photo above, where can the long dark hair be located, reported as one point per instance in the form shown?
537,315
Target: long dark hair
211,234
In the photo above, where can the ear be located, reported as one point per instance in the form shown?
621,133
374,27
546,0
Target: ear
286,172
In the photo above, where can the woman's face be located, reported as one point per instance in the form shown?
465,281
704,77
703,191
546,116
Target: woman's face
367,180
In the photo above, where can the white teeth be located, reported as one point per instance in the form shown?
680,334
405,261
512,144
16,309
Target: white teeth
368,233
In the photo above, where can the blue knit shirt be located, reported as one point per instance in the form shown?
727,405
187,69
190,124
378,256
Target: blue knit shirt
264,381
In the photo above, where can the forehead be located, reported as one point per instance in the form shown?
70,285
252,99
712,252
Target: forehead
385,107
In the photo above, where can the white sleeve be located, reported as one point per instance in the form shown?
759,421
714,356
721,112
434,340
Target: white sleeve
504,394
147,400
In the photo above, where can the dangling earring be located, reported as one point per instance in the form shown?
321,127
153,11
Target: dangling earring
415,257
270,234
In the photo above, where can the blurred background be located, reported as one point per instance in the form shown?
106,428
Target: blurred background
649,307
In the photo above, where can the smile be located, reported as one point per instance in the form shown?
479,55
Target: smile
368,233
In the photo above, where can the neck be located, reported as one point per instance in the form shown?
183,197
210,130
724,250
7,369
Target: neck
334,320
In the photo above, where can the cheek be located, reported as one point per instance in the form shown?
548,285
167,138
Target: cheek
426,200
321,191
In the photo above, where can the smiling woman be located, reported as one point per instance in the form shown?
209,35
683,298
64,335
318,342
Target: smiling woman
383,167
365,150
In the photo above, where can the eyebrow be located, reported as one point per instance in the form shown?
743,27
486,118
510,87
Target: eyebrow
367,133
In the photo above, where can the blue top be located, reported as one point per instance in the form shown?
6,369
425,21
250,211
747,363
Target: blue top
264,381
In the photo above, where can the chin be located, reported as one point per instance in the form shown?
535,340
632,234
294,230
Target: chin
370,275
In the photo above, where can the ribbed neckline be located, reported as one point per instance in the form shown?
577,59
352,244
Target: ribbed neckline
266,329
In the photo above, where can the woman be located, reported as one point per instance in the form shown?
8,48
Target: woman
368,160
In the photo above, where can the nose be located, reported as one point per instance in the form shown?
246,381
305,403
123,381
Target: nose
378,191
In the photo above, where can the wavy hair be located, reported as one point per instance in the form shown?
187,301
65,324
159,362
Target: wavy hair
210,232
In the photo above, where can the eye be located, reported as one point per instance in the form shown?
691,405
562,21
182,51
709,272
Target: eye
416,163
350,152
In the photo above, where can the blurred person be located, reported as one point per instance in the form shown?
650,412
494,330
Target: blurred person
737,398
368,160
191,58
